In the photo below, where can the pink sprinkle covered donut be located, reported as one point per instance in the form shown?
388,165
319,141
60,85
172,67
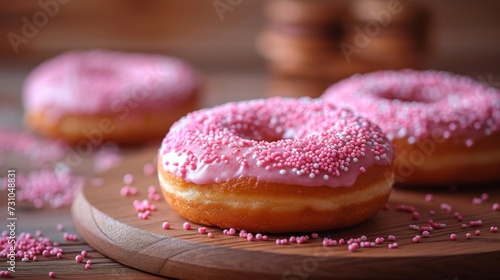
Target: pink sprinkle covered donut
102,96
445,127
276,165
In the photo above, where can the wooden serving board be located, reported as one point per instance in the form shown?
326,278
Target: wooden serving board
109,223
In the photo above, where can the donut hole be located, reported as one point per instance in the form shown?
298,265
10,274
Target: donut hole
413,94
259,134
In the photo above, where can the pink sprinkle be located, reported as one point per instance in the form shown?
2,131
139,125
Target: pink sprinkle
353,247
468,235
405,208
493,229
52,274
60,227
326,242
477,232
84,253
301,240
477,201
416,239
89,262
128,178
225,231
125,191
314,235
485,196
453,236
88,266
392,245
186,226
148,169
425,233
264,237
165,225
79,258
249,237
428,197
46,253
446,207
495,206
210,235
59,255
258,236
133,190
202,230
292,239
415,227
464,226
391,238
379,240
475,223
415,215
362,170
231,231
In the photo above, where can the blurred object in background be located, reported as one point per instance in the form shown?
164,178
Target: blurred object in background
209,34
300,44
391,34
314,43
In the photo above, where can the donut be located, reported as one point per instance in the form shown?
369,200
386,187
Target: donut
312,13
99,95
388,12
276,46
388,51
275,165
305,58
445,127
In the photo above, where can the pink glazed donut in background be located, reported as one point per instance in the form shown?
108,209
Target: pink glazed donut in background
100,96
276,165
445,127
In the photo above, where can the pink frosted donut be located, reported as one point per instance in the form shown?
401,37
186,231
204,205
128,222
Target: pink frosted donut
276,165
108,96
445,127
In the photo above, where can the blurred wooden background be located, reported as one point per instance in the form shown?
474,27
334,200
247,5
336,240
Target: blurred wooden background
464,35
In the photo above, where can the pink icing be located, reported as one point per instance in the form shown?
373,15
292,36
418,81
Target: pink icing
98,81
290,141
421,104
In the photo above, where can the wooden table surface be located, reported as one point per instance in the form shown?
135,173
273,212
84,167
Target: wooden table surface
219,87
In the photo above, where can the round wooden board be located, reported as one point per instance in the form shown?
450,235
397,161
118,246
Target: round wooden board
109,223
